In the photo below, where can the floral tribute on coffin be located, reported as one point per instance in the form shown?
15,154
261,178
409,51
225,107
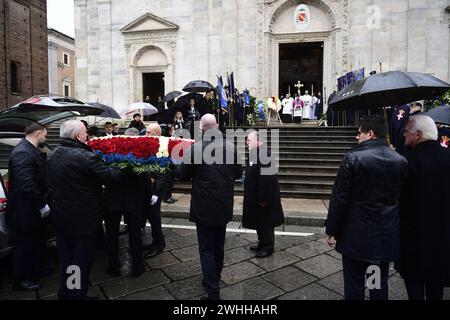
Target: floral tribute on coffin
153,155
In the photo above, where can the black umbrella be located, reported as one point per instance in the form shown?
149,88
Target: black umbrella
108,112
198,86
172,95
388,89
182,104
440,115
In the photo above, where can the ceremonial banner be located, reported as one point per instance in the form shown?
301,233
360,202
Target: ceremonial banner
222,94
342,82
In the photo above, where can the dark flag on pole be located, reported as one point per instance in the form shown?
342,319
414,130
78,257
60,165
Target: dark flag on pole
222,94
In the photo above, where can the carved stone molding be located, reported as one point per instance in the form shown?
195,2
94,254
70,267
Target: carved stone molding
290,3
345,35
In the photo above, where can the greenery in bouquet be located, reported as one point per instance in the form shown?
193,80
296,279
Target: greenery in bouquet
438,101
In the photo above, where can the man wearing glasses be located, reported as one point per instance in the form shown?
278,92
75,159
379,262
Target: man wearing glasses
363,216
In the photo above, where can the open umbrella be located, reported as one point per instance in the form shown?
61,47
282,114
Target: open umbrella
388,89
440,115
146,109
108,112
198,86
172,95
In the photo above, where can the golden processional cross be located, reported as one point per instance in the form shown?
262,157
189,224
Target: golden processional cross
299,85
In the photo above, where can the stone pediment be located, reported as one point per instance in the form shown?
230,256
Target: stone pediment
149,23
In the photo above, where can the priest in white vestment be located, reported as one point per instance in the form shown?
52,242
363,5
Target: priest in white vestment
307,100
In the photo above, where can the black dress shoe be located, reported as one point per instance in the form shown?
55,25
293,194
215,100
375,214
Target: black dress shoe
138,270
263,254
170,200
255,248
154,251
27,286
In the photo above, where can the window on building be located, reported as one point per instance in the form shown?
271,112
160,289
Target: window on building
66,59
15,77
67,88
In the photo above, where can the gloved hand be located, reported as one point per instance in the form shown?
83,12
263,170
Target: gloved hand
45,211
154,200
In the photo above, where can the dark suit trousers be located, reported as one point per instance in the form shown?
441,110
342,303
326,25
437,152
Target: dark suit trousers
112,223
168,186
266,238
28,253
211,242
154,218
75,251
418,289
355,278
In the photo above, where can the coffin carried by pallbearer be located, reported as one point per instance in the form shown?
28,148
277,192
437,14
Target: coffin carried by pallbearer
153,155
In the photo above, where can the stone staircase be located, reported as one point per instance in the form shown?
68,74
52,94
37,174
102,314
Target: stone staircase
309,158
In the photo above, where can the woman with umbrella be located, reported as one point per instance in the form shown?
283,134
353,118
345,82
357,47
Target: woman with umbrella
136,122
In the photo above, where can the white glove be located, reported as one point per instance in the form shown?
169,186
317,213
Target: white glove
45,211
154,200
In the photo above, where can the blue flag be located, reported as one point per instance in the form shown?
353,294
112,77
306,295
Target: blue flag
246,98
359,74
222,94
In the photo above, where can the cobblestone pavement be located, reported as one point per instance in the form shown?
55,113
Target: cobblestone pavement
302,268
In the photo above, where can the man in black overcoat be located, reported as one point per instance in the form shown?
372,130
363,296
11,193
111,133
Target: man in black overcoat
76,176
212,198
363,215
27,206
262,209
425,215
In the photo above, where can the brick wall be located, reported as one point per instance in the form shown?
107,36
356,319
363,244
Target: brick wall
23,37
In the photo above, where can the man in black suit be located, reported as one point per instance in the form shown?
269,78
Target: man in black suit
109,130
76,176
363,215
262,202
129,198
211,201
28,206
153,208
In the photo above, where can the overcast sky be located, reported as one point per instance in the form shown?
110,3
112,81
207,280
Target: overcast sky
60,16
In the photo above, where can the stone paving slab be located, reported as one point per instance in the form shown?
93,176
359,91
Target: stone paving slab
187,253
187,288
252,289
183,269
311,292
159,293
165,259
239,272
237,255
278,260
128,285
289,278
320,266
309,249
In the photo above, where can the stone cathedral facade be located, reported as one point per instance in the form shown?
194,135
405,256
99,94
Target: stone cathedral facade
125,49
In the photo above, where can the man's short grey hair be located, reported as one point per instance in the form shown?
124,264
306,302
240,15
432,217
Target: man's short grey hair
131,132
70,128
426,125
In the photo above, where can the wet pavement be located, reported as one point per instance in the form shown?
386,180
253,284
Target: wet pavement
302,268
